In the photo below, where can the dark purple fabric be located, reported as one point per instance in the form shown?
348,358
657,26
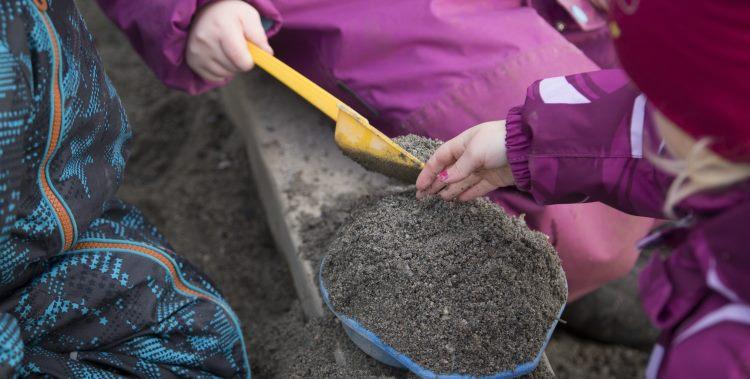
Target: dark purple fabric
583,26
405,65
574,141
427,66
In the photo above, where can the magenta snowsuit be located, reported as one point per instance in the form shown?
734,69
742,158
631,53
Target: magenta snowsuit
430,67
583,138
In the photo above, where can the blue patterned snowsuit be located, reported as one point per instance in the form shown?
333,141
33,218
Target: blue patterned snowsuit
88,288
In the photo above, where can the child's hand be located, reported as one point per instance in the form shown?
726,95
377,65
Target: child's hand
468,166
217,47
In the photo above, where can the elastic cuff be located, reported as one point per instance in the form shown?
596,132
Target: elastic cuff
518,145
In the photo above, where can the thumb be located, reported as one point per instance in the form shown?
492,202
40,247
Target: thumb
464,166
254,32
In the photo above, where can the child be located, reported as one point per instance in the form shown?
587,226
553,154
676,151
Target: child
684,153
428,67
88,288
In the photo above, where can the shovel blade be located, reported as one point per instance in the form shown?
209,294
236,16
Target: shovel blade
372,149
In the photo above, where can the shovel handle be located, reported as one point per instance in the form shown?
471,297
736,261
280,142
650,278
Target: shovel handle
297,82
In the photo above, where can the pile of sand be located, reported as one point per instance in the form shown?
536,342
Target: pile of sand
457,287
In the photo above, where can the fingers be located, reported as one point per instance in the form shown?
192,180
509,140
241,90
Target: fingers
215,72
217,44
211,71
206,58
480,189
435,176
444,156
223,61
466,164
234,43
253,31
453,190
435,187
234,49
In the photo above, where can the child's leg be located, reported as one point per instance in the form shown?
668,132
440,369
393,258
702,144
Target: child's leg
121,303
596,243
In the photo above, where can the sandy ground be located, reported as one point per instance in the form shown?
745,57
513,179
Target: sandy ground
189,173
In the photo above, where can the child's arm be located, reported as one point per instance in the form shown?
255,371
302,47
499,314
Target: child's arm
576,139
160,31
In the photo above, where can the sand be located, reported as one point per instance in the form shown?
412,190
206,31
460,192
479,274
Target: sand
571,357
578,358
457,287
420,147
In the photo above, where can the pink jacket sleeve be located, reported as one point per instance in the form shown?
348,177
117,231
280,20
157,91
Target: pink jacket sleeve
583,138
158,31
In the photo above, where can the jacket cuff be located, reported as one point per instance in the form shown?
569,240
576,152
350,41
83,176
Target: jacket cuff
518,146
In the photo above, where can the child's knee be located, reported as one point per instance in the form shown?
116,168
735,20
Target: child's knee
596,243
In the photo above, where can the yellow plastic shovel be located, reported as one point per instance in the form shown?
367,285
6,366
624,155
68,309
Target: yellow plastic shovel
354,135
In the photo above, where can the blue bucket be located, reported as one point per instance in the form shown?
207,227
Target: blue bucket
371,344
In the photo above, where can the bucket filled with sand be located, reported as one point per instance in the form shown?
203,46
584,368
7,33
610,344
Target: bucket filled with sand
444,289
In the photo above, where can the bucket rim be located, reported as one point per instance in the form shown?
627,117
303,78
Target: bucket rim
411,365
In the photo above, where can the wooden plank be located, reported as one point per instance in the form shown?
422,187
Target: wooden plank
296,166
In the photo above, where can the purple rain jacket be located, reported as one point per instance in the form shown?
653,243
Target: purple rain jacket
405,65
583,138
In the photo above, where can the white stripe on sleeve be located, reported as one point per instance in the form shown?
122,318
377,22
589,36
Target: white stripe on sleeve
714,282
559,91
654,362
734,312
636,126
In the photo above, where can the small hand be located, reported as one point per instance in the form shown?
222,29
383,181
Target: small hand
217,44
468,166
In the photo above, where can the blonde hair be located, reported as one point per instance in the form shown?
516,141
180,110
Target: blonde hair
700,171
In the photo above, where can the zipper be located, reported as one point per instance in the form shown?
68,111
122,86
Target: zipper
179,283
61,211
